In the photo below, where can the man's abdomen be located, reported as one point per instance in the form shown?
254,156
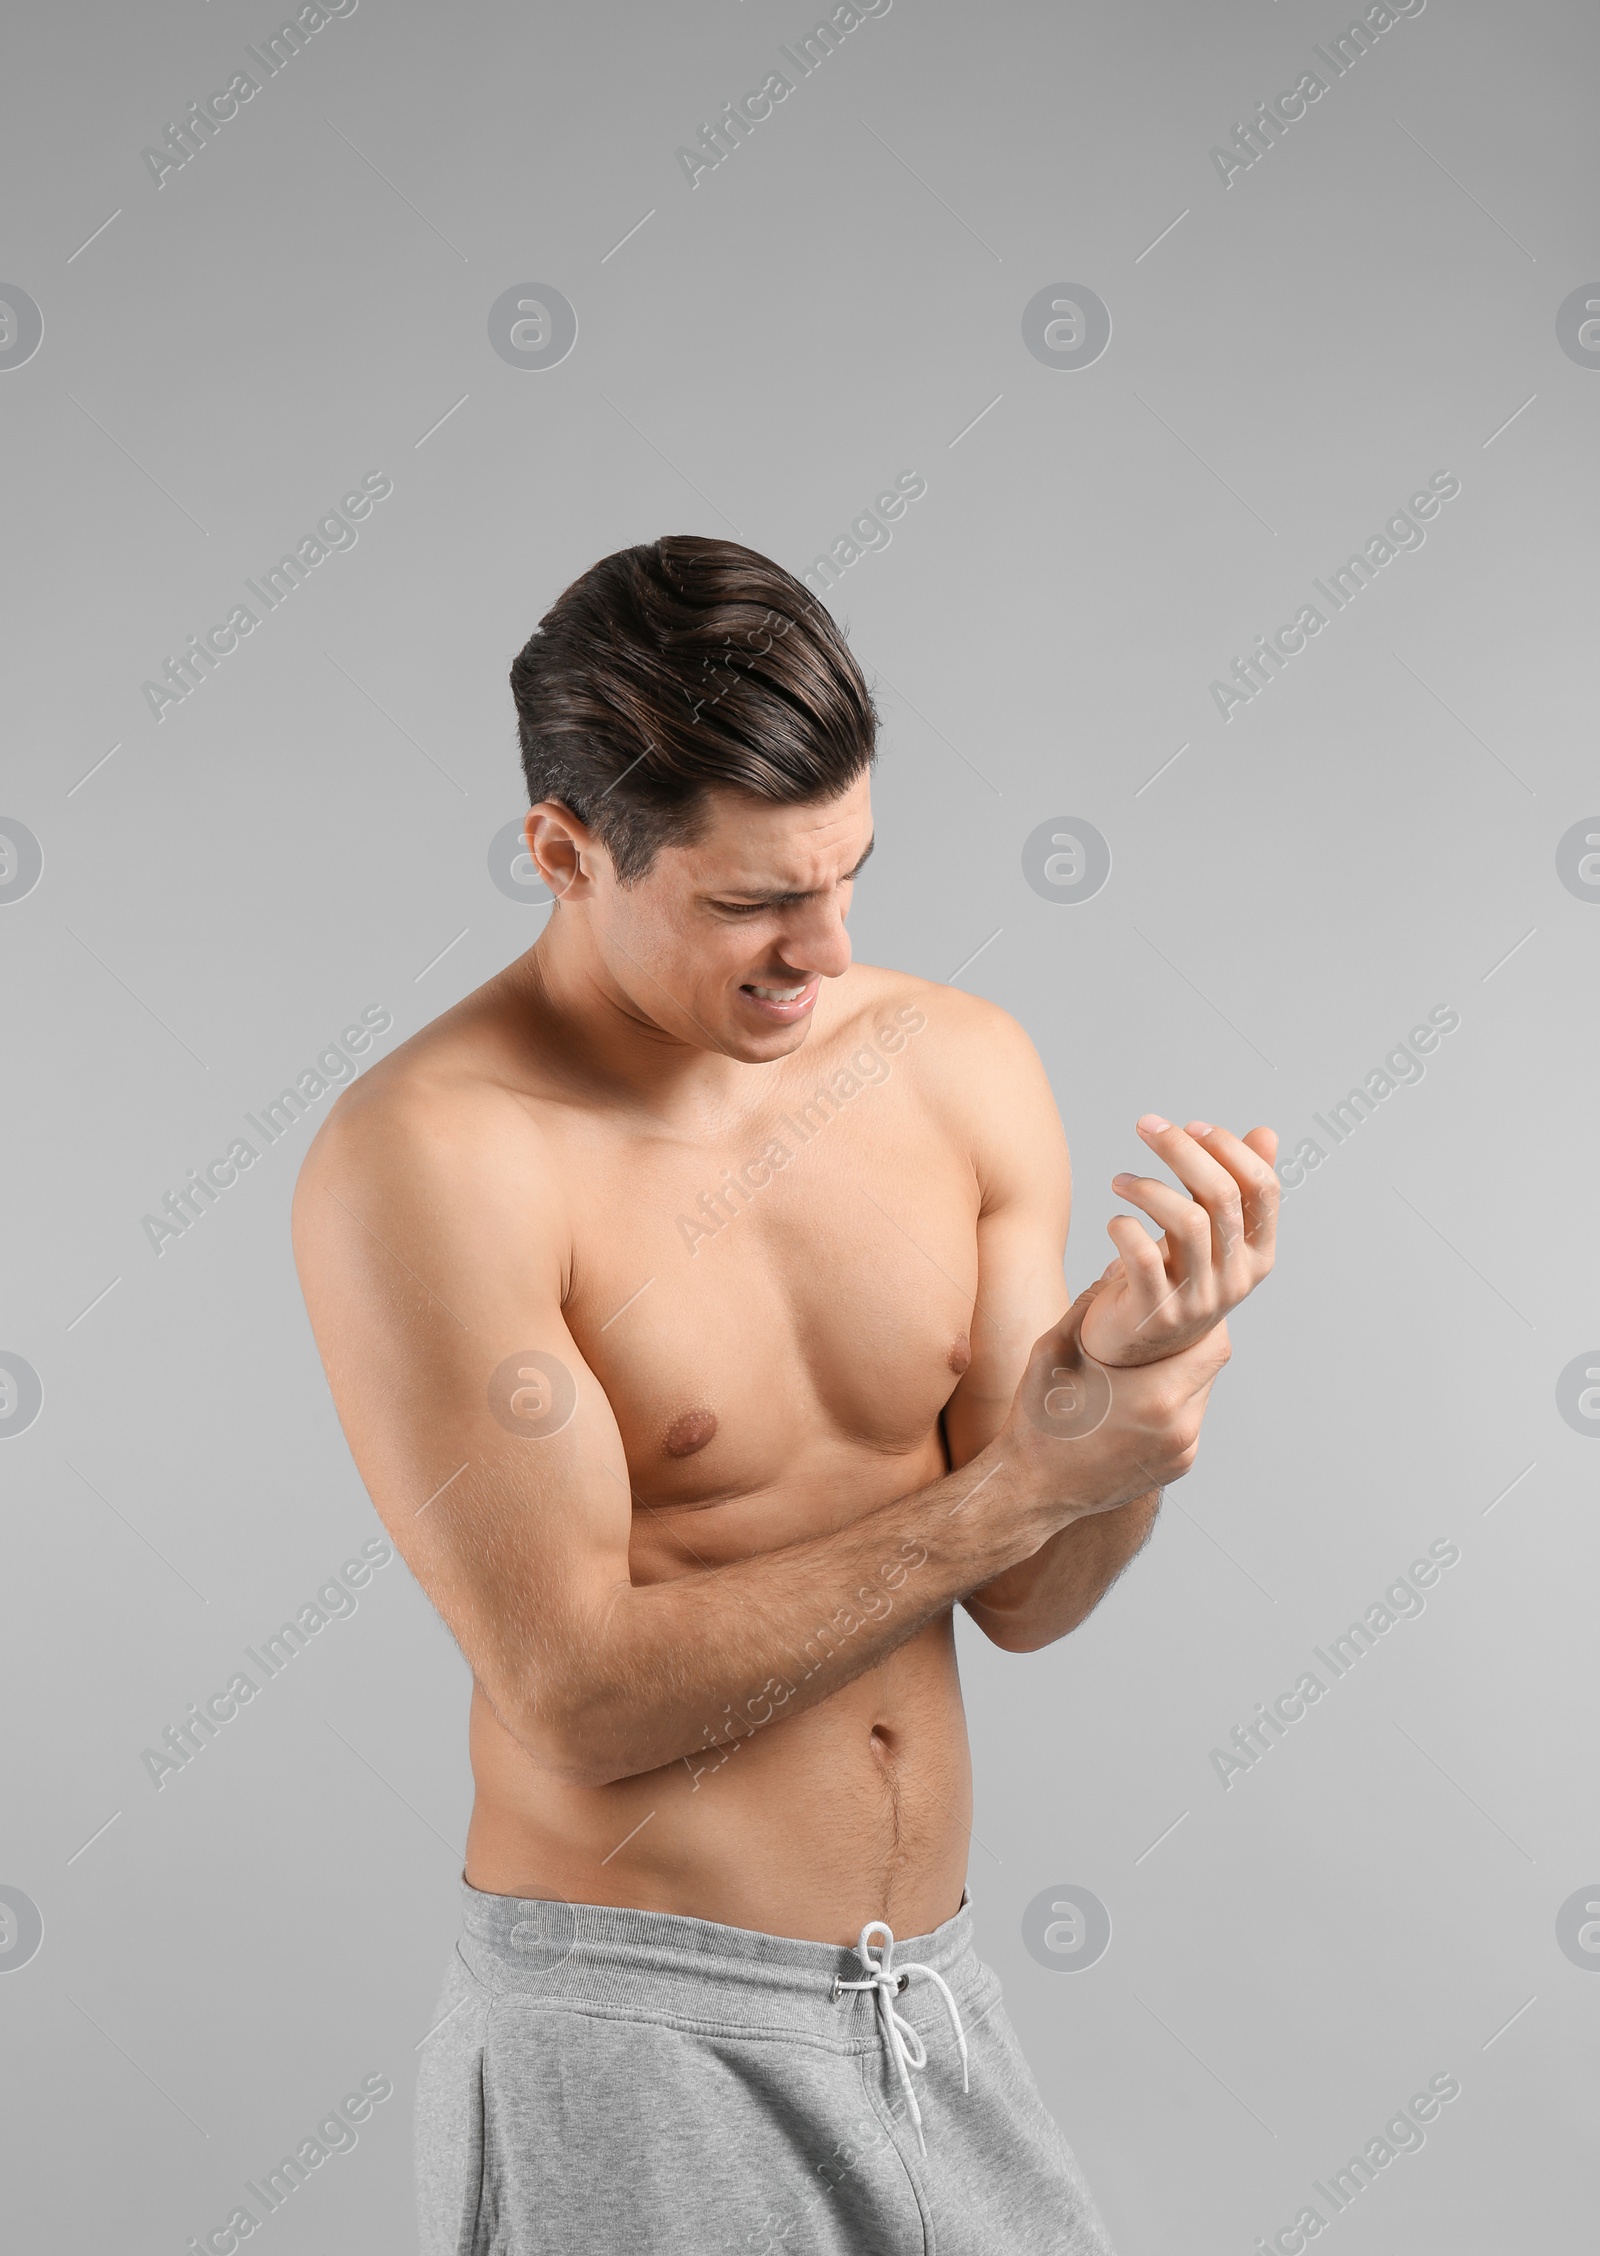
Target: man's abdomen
805,1824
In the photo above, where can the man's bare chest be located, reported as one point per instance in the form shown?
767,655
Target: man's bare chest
758,1302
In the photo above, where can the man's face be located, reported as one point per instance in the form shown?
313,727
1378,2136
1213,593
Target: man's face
725,943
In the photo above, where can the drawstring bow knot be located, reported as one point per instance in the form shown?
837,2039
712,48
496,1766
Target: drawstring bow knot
904,2043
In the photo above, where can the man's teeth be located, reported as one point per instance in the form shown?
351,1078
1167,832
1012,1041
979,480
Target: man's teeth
778,994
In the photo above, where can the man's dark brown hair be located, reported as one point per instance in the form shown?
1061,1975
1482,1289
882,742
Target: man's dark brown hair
671,668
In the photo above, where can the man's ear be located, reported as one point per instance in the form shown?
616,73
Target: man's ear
563,849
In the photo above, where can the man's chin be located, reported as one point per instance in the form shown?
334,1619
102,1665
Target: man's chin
764,1045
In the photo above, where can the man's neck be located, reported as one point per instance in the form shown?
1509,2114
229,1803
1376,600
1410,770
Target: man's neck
608,1033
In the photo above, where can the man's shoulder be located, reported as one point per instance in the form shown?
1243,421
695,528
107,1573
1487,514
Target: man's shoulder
965,1032
431,1121
977,1074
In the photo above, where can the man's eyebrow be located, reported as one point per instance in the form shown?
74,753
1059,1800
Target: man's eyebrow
788,900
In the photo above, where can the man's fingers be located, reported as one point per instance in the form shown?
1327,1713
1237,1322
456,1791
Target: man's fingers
1140,1258
1249,1160
1187,1225
1248,1164
1212,1185
1261,1226
1202,1174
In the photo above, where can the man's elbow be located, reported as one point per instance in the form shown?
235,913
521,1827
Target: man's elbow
1019,1632
575,1742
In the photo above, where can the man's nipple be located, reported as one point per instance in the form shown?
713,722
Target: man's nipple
960,1354
689,1432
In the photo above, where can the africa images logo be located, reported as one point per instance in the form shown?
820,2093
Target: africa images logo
21,326
21,1929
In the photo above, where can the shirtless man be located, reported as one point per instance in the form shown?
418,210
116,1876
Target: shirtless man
692,1301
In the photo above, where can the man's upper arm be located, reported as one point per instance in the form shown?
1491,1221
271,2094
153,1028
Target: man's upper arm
430,1252
1025,1180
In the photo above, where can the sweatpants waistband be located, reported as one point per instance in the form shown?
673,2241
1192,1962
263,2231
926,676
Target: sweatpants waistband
608,1959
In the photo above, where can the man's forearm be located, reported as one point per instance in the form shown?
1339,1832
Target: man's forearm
1042,1598
674,1667
612,1679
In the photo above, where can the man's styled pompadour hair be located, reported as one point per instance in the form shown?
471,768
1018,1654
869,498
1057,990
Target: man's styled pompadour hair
669,669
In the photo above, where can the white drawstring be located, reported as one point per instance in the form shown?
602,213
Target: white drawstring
903,2041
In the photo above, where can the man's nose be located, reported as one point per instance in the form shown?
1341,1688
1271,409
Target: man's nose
815,938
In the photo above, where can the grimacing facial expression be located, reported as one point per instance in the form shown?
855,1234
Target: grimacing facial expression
725,942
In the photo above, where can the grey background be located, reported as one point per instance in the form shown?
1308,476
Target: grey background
1373,302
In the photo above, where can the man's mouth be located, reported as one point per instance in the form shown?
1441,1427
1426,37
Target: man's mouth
782,1003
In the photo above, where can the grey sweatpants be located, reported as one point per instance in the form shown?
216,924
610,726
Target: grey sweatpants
602,2081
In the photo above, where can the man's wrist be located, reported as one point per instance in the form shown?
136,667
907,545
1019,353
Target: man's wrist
1008,1513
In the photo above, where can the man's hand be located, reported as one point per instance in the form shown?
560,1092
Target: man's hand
1080,1440
1161,1295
